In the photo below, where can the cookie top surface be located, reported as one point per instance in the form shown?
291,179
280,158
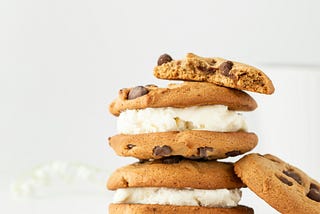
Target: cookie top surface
175,172
214,70
182,95
165,209
194,144
285,187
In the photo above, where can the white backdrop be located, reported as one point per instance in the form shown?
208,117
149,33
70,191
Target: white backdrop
63,61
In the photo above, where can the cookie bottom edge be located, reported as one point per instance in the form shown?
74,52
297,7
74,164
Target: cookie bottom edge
155,208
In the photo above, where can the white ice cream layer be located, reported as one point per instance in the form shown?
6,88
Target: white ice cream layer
212,118
178,197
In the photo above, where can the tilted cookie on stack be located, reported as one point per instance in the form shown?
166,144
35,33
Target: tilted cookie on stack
283,186
179,132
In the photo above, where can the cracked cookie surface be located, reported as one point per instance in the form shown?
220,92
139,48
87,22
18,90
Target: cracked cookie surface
214,70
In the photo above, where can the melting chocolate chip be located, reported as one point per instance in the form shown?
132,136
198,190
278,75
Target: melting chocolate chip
162,150
206,69
233,153
293,175
172,159
164,58
225,67
314,193
285,181
137,92
202,151
130,146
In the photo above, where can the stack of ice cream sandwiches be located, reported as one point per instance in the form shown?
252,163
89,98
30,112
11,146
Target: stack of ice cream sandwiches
179,134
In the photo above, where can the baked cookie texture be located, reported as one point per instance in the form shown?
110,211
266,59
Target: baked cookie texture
194,144
167,209
214,70
175,172
182,95
285,187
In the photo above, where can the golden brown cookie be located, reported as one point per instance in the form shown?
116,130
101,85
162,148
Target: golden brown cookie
167,209
192,144
285,187
182,95
175,176
214,70
172,172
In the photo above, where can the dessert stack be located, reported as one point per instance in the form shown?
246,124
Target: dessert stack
179,132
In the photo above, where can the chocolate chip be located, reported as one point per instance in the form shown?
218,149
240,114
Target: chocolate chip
130,146
201,68
212,62
211,70
233,153
284,180
137,92
225,67
164,58
172,159
162,150
313,186
293,175
206,69
202,151
314,193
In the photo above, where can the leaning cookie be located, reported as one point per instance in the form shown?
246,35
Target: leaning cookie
193,144
180,96
175,184
214,70
285,187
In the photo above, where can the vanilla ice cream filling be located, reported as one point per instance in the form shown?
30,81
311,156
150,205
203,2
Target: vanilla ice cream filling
178,197
212,118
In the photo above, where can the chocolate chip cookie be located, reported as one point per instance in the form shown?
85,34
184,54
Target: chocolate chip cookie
193,144
174,182
214,70
284,187
181,95
172,172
